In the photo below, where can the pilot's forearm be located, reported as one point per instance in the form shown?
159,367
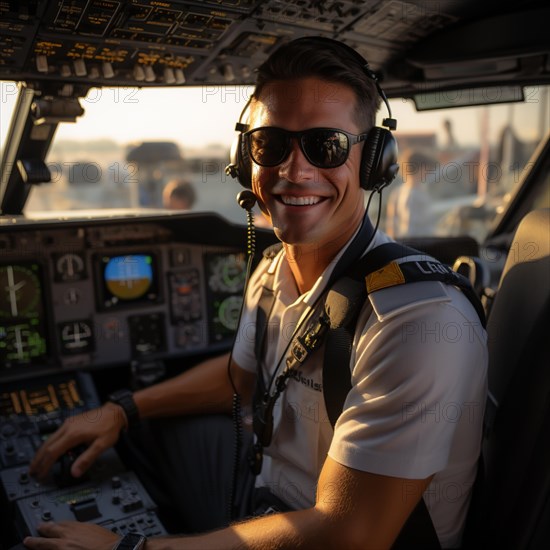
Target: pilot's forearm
300,530
205,388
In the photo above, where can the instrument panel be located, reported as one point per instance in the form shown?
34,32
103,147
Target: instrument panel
86,295
77,297
108,494
186,42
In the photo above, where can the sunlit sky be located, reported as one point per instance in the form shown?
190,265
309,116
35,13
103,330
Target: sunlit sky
195,117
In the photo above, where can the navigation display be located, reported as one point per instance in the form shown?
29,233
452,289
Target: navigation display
225,276
128,279
22,322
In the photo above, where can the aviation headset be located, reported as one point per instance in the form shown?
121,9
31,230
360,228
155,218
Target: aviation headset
379,157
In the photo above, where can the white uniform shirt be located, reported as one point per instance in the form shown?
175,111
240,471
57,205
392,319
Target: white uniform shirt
416,403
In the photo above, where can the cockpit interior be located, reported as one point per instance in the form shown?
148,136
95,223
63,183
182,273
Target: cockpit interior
94,300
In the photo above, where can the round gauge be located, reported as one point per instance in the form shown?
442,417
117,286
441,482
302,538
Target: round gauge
69,267
19,291
228,273
76,336
228,312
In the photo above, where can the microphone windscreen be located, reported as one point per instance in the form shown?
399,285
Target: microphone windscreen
246,199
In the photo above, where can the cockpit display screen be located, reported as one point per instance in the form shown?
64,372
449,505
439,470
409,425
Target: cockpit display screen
128,279
225,275
22,323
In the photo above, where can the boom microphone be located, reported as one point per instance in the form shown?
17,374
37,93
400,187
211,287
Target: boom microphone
246,199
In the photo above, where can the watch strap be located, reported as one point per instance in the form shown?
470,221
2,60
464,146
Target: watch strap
131,541
125,399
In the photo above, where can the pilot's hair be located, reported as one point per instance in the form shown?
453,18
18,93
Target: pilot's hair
333,63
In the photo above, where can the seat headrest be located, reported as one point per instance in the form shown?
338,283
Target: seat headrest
531,241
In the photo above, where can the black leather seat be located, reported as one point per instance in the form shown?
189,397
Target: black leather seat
512,506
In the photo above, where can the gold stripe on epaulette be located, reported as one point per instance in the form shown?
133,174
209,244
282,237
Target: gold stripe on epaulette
389,275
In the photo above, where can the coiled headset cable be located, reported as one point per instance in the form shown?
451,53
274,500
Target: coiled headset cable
246,200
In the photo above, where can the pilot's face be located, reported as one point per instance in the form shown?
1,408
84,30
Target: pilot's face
306,204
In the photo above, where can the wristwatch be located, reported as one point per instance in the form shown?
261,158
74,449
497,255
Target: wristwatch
131,541
125,399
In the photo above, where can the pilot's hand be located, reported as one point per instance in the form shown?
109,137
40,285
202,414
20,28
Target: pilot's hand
71,535
99,429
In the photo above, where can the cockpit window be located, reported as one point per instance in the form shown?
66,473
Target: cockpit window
131,142
457,166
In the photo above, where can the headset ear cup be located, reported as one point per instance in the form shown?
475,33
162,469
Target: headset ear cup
244,164
239,166
379,161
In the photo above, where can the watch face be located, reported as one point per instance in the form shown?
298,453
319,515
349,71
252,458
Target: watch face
131,541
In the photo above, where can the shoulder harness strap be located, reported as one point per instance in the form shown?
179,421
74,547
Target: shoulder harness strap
385,266
265,305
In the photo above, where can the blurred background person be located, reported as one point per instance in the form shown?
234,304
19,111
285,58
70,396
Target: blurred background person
408,207
179,195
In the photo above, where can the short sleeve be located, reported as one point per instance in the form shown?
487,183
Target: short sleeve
418,384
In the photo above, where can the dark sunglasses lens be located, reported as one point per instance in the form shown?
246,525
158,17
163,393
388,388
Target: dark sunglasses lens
325,148
268,146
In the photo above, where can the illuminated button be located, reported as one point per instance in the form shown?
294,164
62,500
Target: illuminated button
94,72
180,76
150,75
169,76
107,70
41,63
139,73
65,70
79,67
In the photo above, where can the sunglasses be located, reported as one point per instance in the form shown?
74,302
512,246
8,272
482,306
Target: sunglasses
269,146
